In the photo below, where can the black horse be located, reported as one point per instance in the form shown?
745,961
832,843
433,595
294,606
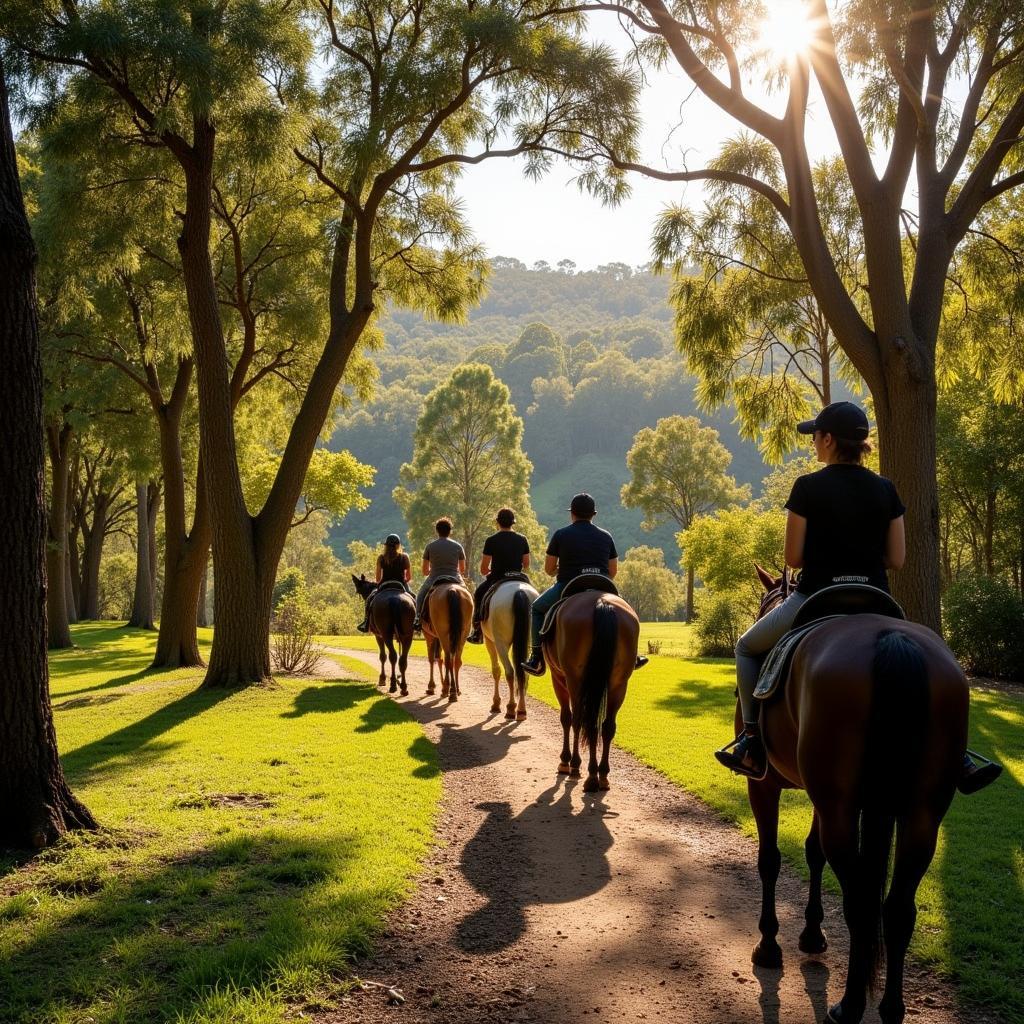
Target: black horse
392,612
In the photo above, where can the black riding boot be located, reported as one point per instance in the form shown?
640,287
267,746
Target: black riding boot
974,776
535,666
746,754
364,626
641,660
477,636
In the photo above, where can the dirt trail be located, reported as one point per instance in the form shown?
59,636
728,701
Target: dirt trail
546,904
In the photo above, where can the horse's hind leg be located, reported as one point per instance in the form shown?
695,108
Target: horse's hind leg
607,735
764,802
565,717
812,938
431,658
492,652
915,846
403,664
383,657
393,661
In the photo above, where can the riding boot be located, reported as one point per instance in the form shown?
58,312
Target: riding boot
641,660
974,776
535,666
746,754
476,637
363,627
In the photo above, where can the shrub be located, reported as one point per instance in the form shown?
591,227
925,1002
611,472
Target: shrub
984,625
292,648
290,583
723,616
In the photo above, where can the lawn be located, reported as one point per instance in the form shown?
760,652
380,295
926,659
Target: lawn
252,843
971,903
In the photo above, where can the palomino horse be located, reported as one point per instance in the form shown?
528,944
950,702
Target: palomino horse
445,628
508,626
592,655
391,617
872,723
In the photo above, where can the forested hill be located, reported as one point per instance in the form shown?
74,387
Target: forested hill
589,360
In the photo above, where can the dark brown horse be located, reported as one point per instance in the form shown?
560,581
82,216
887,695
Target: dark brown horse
591,656
391,618
872,723
445,628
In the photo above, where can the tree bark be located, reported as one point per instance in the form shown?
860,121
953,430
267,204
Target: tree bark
75,562
689,593
58,439
69,592
142,602
38,806
93,536
153,513
202,614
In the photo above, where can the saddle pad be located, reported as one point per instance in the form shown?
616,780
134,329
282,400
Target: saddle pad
589,580
776,665
391,585
425,616
509,577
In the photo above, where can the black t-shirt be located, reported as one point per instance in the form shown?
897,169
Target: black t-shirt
393,570
579,547
506,548
848,509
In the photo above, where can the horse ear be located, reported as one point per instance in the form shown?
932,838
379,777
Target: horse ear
362,576
766,580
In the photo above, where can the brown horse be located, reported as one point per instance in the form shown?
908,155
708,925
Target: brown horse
592,655
391,618
445,628
872,723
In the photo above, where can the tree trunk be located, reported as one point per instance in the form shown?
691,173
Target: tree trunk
202,613
689,593
152,514
142,602
75,561
38,806
93,537
58,439
69,592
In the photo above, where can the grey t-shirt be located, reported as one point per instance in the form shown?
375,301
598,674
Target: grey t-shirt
444,555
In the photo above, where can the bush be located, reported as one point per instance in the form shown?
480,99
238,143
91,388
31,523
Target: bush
292,648
984,625
722,618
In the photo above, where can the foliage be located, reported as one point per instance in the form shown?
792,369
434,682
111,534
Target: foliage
722,618
290,583
984,626
654,591
117,585
292,648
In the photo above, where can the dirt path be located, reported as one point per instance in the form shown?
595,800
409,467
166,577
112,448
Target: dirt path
547,905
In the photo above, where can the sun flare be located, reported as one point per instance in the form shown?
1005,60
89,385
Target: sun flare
786,31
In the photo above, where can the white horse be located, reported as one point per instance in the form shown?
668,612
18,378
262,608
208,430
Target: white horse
508,626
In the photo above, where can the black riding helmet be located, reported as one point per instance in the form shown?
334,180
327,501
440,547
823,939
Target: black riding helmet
392,538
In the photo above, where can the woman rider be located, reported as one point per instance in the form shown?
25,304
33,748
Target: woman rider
844,525
392,564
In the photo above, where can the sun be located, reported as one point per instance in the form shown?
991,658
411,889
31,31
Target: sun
786,32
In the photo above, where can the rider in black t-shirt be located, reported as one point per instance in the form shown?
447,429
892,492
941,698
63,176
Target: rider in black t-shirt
504,552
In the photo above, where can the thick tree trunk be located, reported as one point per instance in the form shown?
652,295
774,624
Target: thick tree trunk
142,602
58,439
69,591
38,806
93,537
75,561
202,612
152,515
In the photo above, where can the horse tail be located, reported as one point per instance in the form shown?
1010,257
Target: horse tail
894,745
598,672
520,633
454,620
392,620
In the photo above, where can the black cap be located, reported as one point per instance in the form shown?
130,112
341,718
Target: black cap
583,505
392,538
843,420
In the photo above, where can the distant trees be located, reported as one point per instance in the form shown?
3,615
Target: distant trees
679,473
654,591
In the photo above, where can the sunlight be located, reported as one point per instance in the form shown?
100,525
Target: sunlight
786,31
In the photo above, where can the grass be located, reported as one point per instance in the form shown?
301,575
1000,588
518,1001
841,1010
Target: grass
252,843
971,903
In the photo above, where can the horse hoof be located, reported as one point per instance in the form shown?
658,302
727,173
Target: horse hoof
591,785
812,942
510,712
452,698
520,716
837,1015
564,769
495,707
405,692
430,691
603,782
380,682
392,688
574,773
766,954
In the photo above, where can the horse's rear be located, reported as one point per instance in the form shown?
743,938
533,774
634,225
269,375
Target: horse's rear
591,656
873,724
507,627
391,620
450,608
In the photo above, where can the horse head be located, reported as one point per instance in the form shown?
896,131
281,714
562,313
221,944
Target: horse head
363,586
777,588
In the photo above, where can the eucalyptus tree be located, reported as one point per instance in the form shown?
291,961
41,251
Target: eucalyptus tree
926,101
407,97
38,805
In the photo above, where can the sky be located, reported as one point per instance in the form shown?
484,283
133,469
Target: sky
552,220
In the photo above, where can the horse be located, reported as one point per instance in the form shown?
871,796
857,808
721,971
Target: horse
508,626
591,655
445,628
872,723
391,616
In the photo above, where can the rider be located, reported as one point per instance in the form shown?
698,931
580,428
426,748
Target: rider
441,557
392,564
504,552
574,550
845,524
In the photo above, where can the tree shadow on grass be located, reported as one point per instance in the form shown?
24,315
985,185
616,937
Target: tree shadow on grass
242,916
330,698
702,695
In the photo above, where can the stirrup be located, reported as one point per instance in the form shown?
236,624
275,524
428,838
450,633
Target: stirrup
732,754
535,665
641,660
363,627
975,775
476,636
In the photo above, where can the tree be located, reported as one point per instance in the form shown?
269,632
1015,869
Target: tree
467,463
38,805
647,584
407,99
912,63
679,473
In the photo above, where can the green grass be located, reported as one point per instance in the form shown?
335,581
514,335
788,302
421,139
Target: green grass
971,903
252,843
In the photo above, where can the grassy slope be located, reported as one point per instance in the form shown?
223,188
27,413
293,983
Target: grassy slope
971,903
252,843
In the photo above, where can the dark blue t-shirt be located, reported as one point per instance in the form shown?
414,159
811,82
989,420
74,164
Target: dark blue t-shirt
579,547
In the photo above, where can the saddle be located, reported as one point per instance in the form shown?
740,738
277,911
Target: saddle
577,585
834,602
425,616
508,577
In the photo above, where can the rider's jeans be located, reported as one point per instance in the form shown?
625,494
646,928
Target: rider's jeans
540,609
751,648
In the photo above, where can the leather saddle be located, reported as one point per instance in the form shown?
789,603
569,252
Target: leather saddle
577,585
508,577
827,604
457,580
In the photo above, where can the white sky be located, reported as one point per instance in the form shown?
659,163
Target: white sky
552,220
